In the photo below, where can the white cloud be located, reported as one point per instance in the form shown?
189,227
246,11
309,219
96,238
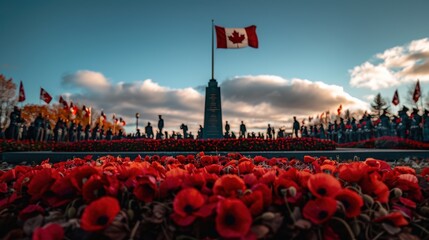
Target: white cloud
257,100
393,67
94,81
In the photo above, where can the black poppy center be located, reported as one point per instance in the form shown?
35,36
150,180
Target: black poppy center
321,191
148,189
346,204
230,219
323,214
188,209
102,220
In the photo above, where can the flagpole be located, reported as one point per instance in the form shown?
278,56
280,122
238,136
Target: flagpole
212,49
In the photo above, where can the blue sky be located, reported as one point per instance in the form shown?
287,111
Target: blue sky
153,57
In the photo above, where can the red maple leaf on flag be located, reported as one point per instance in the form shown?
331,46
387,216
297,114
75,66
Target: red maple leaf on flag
236,37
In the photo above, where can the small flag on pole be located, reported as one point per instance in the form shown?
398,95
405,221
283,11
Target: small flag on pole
417,92
64,103
395,100
21,95
236,37
45,96
339,109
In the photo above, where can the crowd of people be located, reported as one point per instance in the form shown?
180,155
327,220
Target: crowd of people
413,126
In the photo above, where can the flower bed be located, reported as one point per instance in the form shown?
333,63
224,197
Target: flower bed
212,197
386,143
141,145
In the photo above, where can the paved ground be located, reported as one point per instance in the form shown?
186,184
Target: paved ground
342,153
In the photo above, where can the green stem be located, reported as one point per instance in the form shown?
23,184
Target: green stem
378,235
421,228
349,230
289,210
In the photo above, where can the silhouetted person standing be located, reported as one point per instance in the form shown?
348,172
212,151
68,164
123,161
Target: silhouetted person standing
160,124
227,128
185,130
149,131
269,132
295,126
243,130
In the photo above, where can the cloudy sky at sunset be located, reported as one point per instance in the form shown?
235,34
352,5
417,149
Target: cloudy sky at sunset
154,57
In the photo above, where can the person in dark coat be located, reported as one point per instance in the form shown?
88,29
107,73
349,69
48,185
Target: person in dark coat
160,124
295,126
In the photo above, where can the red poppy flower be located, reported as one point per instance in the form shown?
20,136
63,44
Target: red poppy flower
372,186
328,168
404,170
196,180
229,186
259,159
189,204
51,231
408,183
377,165
266,193
254,201
41,182
352,172
245,167
93,188
80,175
207,160
394,218
233,219
281,190
146,189
99,214
30,211
323,185
214,168
268,178
351,201
320,210
309,159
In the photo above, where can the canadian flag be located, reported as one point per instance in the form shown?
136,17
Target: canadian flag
236,37
45,96
395,100
64,103
21,96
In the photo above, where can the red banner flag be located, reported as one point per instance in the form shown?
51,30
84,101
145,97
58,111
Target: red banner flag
87,111
64,103
73,109
122,121
236,37
45,96
417,92
339,109
102,117
21,94
395,100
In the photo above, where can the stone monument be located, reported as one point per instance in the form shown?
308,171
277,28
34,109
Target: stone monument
212,112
